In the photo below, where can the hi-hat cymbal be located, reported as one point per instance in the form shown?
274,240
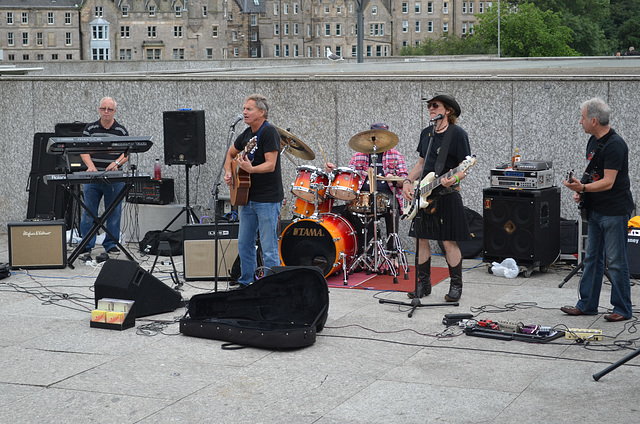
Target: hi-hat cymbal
391,178
364,142
292,144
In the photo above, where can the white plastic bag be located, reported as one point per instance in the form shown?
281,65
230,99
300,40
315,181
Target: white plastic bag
507,268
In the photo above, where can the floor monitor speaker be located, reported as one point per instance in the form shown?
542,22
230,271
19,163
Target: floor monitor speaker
184,137
199,250
120,279
521,224
37,244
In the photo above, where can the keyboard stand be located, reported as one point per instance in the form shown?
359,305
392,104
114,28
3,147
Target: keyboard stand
98,222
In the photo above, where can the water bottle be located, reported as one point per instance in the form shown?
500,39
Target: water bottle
157,170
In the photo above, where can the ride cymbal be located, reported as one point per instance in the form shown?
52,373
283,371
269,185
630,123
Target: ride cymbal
365,141
292,144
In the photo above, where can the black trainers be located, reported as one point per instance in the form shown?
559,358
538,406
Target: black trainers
102,257
113,250
86,257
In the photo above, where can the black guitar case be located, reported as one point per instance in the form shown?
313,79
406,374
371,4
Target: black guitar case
282,310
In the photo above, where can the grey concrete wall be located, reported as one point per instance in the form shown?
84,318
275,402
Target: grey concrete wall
537,114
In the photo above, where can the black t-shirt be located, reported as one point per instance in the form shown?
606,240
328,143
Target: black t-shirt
458,148
95,129
265,188
614,155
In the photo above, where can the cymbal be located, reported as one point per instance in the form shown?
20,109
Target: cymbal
364,142
391,178
294,145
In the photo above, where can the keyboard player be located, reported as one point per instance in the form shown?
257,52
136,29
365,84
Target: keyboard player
93,192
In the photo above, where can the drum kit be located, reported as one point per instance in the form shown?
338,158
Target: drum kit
320,237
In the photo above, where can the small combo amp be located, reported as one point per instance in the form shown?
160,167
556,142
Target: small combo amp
633,252
37,244
199,250
155,192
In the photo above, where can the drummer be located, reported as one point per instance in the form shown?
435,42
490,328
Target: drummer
390,163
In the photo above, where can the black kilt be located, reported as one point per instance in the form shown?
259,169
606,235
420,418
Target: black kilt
447,223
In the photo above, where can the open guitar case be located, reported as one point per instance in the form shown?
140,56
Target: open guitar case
283,310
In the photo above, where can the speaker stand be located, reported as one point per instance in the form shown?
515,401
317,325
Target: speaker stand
174,275
192,218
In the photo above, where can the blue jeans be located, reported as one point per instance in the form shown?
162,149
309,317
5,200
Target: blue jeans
607,238
92,195
254,217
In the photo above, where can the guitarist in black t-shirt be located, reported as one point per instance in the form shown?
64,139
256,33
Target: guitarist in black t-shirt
608,203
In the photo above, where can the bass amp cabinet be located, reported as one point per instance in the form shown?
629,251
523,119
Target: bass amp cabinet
37,244
199,250
521,224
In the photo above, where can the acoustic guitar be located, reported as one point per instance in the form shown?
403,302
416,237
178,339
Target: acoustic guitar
241,181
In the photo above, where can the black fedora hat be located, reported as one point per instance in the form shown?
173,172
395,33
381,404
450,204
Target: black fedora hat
448,99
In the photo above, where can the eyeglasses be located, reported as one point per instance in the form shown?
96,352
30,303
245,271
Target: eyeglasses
433,105
106,109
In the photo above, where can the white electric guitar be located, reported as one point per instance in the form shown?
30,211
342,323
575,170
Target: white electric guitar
428,184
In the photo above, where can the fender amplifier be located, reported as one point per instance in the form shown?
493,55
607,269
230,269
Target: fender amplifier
37,244
199,250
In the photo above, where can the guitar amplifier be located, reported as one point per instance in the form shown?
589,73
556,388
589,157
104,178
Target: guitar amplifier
155,192
37,244
199,250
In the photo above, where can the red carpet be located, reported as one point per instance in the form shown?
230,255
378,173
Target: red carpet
360,280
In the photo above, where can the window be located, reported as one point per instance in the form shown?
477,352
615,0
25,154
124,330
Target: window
354,50
339,50
69,56
152,31
178,54
376,30
369,51
54,56
39,56
286,50
339,30
275,8
285,10
125,32
317,30
125,11
177,31
445,7
98,54
67,18
296,53
9,18
339,9
204,13
39,38
234,35
154,54
405,7
50,18
152,12
470,27
214,31
11,57
430,26
295,29
464,7
276,29
464,28
254,36
418,7
178,11
378,50
309,51
471,7
235,52
445,27
98,12
317,51
25,38
326,9
25,18
10,39
99,32
276,50
254,52
417,26
254,20
309,31
209,53
25,57
374,10
286,28
67,39
295,8
405,26
125,54
429,7
327,29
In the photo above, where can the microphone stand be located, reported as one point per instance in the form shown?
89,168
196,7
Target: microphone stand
415,302
214,198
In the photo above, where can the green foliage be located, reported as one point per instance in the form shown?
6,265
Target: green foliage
526,31
448,45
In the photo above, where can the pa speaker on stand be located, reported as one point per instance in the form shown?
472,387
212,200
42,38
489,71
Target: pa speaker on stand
523,225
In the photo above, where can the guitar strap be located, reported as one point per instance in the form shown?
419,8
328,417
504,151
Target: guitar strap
444,150
592,162
250,155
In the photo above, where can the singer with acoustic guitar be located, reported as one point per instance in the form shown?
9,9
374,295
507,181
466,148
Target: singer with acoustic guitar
443,147
253,174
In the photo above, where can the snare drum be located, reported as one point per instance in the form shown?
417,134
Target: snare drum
310,180
364,204
304,209
345,184
327,243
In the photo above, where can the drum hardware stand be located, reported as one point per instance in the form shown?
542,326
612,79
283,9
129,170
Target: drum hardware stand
415,302
398,251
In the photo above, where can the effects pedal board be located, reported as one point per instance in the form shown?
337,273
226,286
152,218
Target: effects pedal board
584,334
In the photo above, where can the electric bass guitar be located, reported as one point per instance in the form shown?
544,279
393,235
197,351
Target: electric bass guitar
428,184
241,179
586,179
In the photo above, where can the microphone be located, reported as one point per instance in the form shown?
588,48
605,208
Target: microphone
437,117
238,119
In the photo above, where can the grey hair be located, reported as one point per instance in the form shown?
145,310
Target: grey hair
261,102
597,108
115,105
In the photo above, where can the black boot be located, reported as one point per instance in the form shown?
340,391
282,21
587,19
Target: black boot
424,281
455,287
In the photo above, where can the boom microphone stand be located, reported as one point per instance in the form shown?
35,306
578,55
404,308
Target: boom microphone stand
214,198
415,302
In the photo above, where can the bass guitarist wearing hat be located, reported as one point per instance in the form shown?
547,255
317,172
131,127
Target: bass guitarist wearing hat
443,218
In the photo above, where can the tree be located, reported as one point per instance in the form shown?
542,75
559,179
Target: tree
449,44
525,31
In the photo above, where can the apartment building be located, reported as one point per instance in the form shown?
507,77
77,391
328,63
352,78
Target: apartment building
213,29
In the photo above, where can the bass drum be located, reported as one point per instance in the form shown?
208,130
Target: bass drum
325,242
